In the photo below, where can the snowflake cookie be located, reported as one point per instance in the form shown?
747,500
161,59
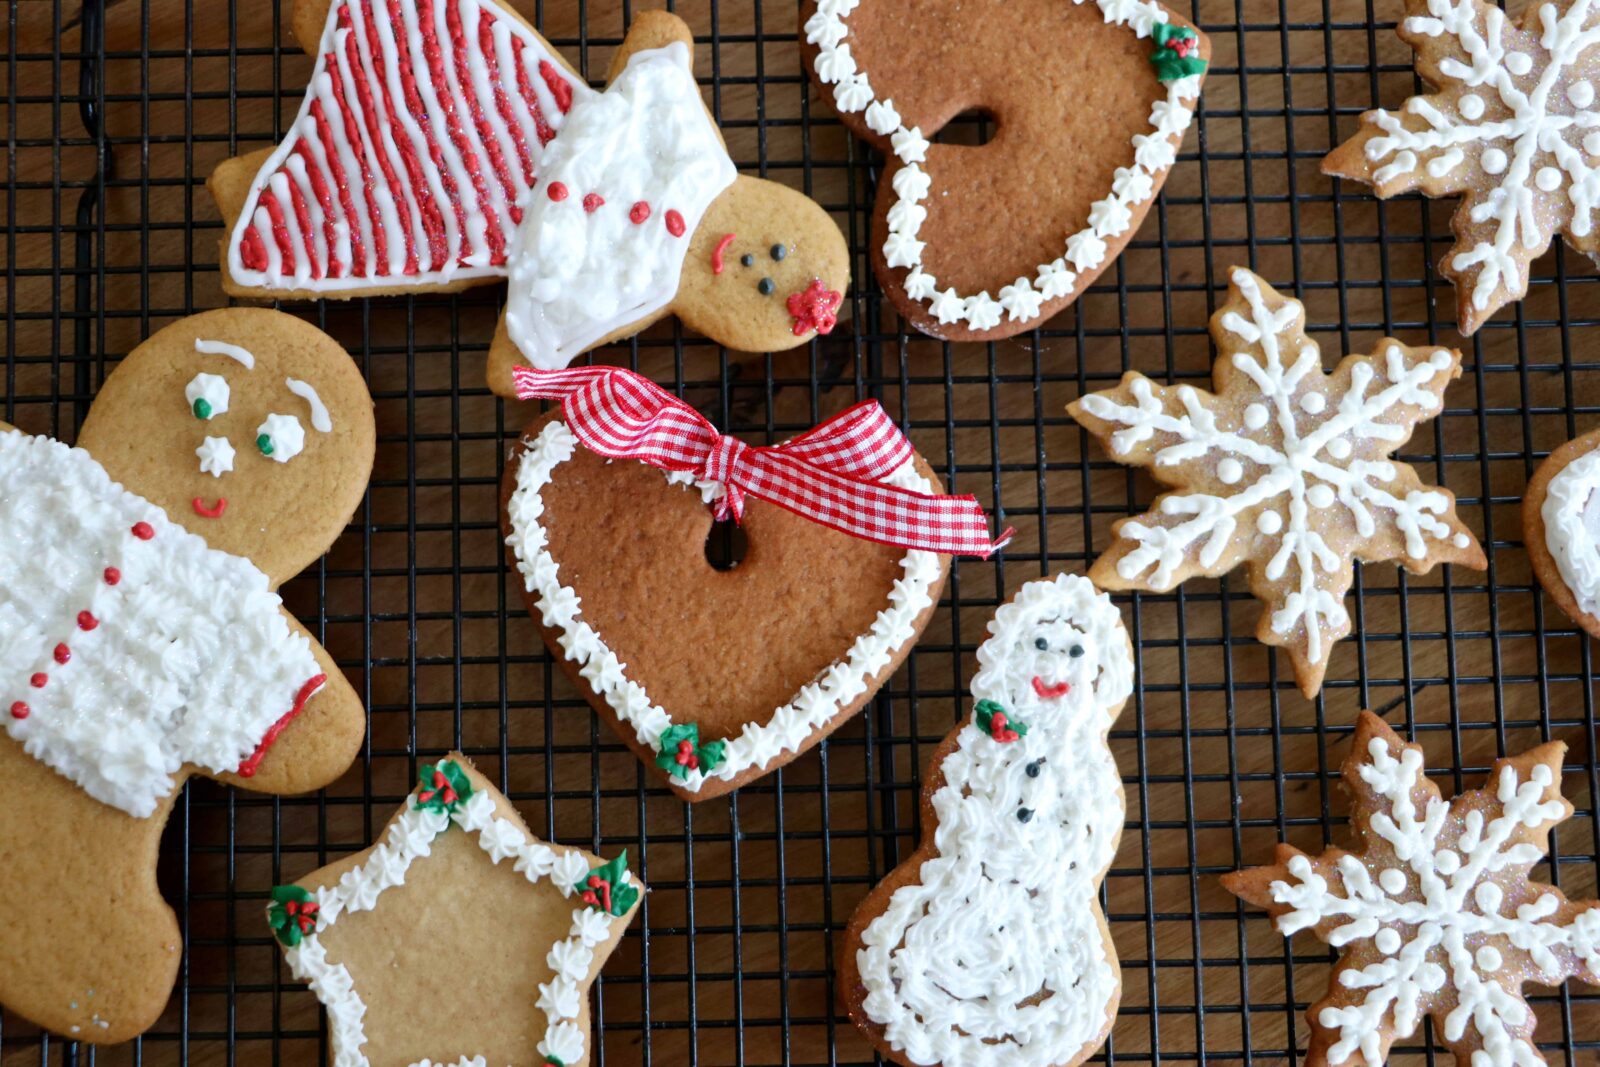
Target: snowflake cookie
1435,914
1283,468
1512,128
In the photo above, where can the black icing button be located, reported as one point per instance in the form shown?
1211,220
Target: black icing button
747,260
779,251
1024,814
766,285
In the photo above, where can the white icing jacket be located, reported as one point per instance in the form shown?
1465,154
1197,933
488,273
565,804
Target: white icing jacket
127,647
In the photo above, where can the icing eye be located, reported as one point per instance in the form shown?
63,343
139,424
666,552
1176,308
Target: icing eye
207,395
747,260
1041,644
1024,814
1075,651
778,252
280,438
765,286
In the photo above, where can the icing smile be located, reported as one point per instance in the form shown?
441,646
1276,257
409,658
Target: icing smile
1051,692
215,512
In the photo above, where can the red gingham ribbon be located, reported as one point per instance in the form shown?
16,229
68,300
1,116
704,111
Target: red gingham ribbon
831,475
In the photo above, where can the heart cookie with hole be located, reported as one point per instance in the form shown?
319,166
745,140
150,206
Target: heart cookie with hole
713,676
1087,103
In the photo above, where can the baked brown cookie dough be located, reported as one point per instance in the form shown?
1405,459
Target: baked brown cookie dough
144,643
1561,528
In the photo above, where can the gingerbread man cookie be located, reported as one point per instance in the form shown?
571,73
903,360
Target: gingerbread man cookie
1089,101
141,640
987,946
442,145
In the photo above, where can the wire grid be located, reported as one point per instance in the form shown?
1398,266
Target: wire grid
114,118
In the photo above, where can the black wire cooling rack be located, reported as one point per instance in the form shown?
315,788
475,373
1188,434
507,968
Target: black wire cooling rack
117,112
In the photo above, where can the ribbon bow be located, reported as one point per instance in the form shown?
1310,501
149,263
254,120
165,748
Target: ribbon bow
832,475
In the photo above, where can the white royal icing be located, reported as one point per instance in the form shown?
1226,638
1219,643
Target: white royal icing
223,348
1153,153
216,456
190,658
577,274
1571,513
210,388
1536,132
759,743
409,838
1426,914
320,421
994,954
1295,461
288,437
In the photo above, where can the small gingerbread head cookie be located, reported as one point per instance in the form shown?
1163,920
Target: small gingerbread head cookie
141,640
1561,527
998,907
1089,102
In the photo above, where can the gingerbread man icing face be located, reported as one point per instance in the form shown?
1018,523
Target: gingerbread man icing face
141,640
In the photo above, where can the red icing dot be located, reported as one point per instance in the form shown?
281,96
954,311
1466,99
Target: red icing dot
593,202
674,222
113,576
38,680
557,191
87,621
143,531
19,710
639,212
63,653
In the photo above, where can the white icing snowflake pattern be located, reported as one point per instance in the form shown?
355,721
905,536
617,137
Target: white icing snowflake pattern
1284,467
1436,915
1513,127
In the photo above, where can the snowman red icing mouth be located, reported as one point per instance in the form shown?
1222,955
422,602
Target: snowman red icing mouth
1051,690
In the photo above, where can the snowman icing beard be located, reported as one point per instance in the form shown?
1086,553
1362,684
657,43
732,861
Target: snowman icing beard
995,955
621,190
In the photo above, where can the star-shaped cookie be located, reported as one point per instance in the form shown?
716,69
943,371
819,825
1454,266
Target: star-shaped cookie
1513,129
459,937
1283,468
1435,913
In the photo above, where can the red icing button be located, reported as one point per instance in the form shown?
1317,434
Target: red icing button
593,202
143,531
63,653
38,680
19,710
674,222
86,621
639,212
557,191
113,576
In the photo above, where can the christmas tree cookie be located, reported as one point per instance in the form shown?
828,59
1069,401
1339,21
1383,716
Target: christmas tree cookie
1435,913
1282,468
142,640
459,937
445,144
987,946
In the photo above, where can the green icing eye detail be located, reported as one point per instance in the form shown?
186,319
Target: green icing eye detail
202,408
264,443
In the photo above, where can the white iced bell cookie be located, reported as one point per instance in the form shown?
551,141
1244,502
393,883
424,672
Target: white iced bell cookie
1571,513
996,953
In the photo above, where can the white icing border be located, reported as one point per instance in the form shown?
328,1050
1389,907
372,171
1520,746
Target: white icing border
411,837
1153,154
758,744
1565,535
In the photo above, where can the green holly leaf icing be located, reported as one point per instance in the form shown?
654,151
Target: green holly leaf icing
983,714
682,752
1177,53
292,914
605,889
442,786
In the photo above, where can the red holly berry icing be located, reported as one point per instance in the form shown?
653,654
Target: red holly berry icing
442,786
993,720
817,308
608,889
293,914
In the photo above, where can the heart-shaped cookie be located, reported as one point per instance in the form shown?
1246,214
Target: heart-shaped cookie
715,677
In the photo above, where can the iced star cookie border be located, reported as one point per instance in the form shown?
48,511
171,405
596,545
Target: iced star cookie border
758,744
409,837
1154,153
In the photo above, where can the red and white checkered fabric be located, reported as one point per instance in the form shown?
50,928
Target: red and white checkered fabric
830,475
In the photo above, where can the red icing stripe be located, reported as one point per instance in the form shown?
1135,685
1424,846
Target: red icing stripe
419,115
491,144
247,769
559,87
352,136
341,182
319,189
525,87
502,102
375,146
302,219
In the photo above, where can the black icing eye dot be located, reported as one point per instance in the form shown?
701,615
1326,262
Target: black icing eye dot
1033,768
765,286
1041,644
747,260
1024,814
778,252
1075,651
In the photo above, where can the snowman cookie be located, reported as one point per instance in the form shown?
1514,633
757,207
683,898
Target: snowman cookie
988,946
142,640
441,145
1561,527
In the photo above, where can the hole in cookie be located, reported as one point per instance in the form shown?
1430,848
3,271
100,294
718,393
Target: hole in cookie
972,128
726,545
